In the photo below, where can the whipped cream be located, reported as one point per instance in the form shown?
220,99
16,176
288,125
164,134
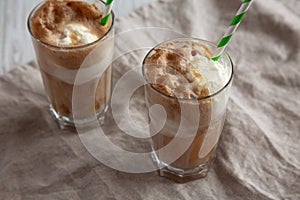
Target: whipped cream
76,34
205,72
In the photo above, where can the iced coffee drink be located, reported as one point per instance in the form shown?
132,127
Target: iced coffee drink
193,90
64,33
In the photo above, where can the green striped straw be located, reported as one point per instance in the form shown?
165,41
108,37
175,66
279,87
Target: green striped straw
106,14
232,29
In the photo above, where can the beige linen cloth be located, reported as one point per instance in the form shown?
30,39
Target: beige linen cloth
259,156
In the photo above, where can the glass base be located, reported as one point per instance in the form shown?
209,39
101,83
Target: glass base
180,175
65,123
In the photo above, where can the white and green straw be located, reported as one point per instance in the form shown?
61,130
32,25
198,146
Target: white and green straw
231,29
106,14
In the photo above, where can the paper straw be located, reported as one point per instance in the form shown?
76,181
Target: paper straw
232,28
106,14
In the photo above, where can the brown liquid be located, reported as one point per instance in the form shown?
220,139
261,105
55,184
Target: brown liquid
60,93
60,65
190,158
158,65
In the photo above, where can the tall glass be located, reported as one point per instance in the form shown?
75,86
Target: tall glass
185,146
60,65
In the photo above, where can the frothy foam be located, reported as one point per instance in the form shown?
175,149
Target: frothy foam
67,23
185,70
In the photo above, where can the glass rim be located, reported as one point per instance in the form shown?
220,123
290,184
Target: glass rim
186,99
68,47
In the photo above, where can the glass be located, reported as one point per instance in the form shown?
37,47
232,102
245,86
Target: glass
60,65
192,145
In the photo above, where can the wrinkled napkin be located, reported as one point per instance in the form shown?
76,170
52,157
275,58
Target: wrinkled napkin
259,154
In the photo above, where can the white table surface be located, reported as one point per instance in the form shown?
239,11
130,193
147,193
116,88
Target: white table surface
15,44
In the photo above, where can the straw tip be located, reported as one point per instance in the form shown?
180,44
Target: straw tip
104,20
216,58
